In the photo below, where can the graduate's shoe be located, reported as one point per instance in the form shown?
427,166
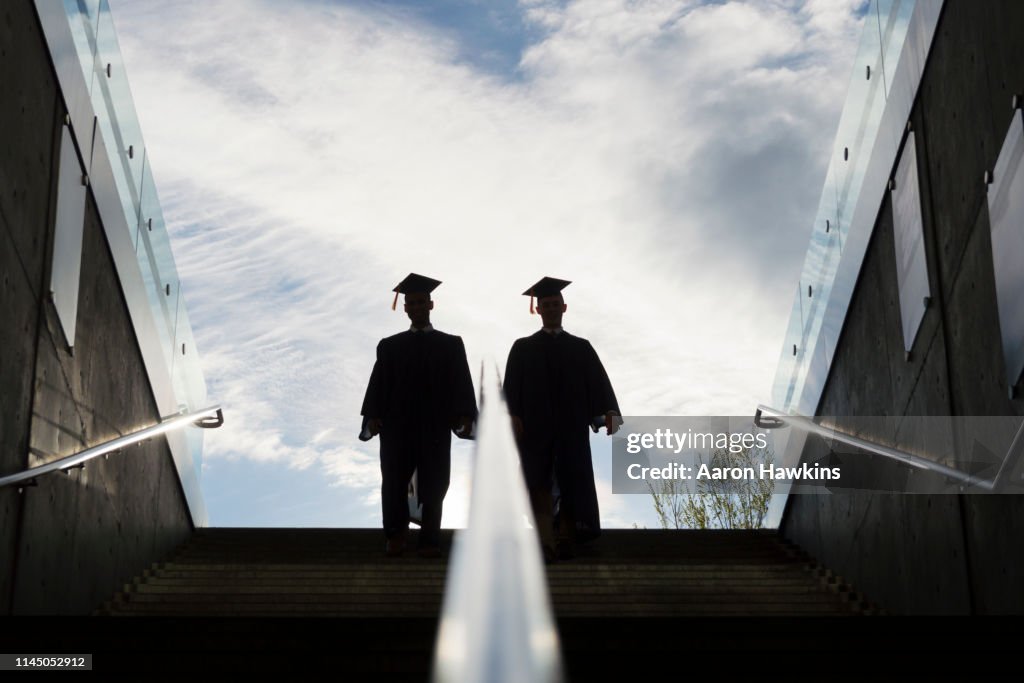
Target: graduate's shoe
565,551
550,554
429,551
395,546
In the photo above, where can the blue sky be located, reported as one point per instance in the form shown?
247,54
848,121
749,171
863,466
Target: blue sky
488,35
667,157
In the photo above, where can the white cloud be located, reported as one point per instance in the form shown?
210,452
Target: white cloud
666,156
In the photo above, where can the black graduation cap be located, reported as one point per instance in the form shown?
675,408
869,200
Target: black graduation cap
414,284
546,286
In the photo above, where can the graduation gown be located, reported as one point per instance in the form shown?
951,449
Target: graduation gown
557,386
420,385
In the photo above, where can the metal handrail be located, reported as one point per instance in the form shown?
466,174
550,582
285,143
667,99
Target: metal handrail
209,418
496,621
771,418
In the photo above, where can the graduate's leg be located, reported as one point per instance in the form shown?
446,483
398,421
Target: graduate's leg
566,524
434,466
566,520
539,471
430,529
579,515
542,504
396,468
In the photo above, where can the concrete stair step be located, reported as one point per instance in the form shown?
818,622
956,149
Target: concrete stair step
710,591
657,610
289,583
400,566
269,609
339,572
708,610
373,600
284,593
558,584
242,600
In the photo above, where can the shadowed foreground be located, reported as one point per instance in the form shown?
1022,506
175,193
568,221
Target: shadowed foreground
288,600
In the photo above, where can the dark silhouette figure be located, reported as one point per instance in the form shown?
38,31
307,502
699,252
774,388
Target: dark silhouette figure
420,391
556,389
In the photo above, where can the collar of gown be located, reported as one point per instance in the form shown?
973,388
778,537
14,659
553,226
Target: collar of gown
426,328
555,331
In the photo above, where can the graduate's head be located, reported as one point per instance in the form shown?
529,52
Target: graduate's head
418,304
551,309
550,303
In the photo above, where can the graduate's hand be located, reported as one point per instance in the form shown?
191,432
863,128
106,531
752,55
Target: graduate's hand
464,426
374,424
612,422
517,427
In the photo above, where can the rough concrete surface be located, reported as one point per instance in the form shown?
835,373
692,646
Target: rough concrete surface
69,542
931,553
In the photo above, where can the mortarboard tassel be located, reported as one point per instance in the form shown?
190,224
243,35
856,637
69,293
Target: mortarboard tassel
531,303
395,302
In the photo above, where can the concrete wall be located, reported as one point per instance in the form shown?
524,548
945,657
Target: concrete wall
933,553
70,542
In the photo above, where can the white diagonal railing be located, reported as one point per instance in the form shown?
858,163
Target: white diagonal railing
209,417
496,622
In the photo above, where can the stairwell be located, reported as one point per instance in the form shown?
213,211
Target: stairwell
246,598
343,573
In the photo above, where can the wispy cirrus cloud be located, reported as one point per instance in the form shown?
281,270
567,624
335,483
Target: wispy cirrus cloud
666,156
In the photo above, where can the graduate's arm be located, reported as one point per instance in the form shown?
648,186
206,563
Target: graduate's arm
513,386
375,399
464,404
603,401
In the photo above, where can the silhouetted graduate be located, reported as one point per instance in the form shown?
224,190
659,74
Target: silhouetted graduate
557,390
420,391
